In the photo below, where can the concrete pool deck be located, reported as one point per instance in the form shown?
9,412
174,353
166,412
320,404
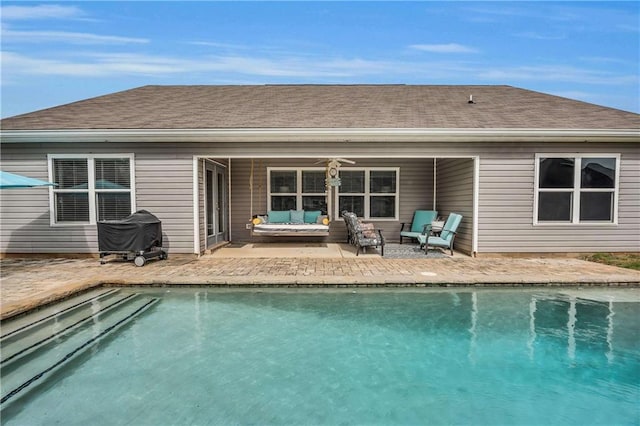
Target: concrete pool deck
28,283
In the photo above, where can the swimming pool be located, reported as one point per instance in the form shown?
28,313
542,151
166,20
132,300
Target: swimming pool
207,356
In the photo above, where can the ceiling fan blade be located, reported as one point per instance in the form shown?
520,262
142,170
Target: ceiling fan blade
329,160
345,160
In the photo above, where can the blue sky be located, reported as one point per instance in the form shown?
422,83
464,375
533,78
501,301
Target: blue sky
59,52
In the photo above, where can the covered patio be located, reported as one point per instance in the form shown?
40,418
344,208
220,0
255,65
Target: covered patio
384,191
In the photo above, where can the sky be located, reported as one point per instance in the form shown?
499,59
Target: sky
59,52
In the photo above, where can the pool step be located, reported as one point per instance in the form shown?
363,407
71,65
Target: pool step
15,325
55,325
35,350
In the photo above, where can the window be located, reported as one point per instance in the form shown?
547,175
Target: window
297,189
576,189
91,188
369,193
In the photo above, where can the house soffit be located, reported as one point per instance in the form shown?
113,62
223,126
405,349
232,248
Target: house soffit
320,135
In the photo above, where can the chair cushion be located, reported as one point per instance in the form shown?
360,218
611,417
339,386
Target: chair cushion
409,234
363,242
421,218
279,216
368,230
297,216
439,242
451,225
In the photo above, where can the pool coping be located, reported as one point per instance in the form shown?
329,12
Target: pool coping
27,285
26,306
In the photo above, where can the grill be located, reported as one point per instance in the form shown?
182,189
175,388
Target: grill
137,237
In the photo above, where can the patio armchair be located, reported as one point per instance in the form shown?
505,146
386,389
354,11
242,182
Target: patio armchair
446,237
420,219
362,235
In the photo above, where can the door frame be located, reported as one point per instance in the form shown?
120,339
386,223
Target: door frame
201,240
216,216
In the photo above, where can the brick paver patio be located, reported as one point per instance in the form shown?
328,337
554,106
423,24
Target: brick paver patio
28,283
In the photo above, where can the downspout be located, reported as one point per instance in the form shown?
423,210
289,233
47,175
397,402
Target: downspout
196,220
435,178
476,208
205,206
228,218
251,192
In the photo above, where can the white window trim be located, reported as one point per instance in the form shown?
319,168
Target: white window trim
298,192
91,187
575,220
367,194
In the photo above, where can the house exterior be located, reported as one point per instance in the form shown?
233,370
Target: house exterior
529,172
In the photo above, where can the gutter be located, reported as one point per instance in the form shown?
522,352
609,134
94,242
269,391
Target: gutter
320,135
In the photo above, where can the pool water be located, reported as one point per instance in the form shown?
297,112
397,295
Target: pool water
354,357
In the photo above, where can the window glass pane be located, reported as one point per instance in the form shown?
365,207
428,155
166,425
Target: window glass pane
313,181
598,173
113,205
352,203
209,202
382,181
556,172
554,206
283,182
112,173
383,206
315,202
596,206
280,202
72,207
352,182
70,174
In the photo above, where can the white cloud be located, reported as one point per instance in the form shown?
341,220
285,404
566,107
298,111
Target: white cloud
117,64
444,48
90,66
45,11
604,60
558,73
66,37
306,67
218,45
538,36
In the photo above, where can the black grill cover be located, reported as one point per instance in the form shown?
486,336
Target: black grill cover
138,232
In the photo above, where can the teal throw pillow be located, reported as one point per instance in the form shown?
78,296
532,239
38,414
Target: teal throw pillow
297,216
279,216
311,216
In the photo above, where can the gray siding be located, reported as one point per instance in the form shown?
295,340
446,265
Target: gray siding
507,178
164,179
454,194
163,186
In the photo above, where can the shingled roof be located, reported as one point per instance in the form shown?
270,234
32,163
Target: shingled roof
324,107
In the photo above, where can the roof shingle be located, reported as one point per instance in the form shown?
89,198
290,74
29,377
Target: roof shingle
325,106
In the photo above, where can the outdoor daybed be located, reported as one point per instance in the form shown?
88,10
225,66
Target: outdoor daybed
291,223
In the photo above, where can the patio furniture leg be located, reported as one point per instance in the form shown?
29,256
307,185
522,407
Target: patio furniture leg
452,240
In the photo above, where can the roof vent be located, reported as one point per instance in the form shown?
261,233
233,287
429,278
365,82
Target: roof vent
470,101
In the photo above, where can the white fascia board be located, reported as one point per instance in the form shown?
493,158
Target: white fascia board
323,135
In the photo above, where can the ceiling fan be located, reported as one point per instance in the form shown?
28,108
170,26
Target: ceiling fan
333,164
334,161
